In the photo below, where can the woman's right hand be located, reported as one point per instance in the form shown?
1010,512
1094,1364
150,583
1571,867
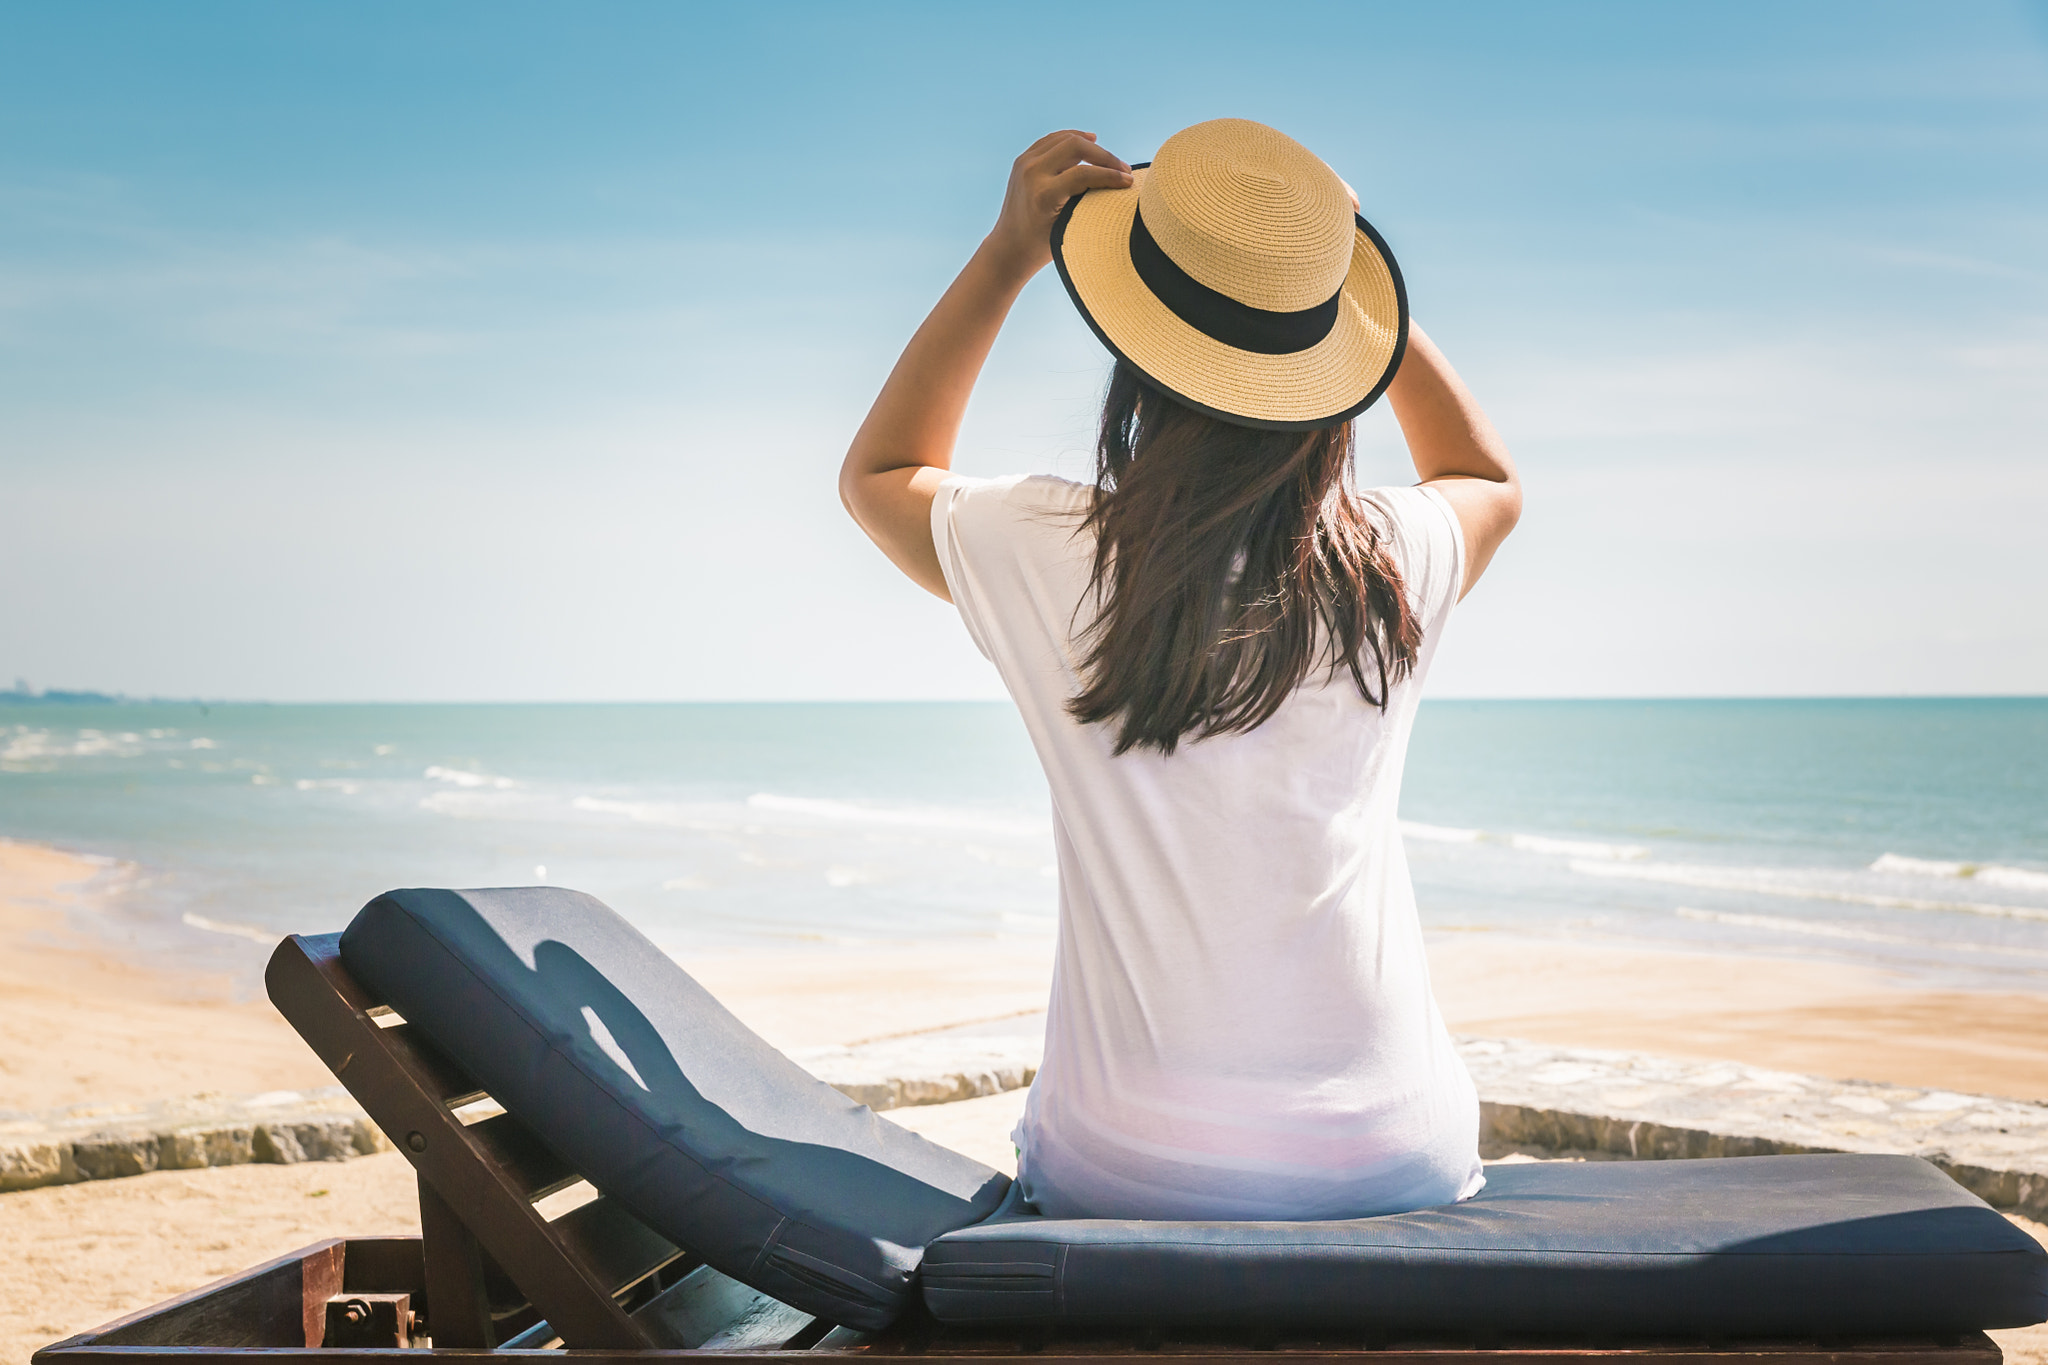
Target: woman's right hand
1051,171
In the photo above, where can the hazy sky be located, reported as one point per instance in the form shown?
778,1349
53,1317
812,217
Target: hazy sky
499,350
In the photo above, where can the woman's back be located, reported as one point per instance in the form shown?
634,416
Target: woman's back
1241,1024
1218,650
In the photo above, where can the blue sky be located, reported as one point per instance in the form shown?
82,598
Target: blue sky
508,351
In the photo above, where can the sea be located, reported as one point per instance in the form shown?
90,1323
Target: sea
1910,835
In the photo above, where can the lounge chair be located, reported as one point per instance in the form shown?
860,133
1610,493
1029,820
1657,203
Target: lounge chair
527,1047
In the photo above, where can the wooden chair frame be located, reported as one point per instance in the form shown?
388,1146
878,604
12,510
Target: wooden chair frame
497,1271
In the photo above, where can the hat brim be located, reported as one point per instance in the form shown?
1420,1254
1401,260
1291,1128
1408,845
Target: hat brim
1330,382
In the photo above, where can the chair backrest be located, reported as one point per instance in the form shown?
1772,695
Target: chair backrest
511,1259
630,1074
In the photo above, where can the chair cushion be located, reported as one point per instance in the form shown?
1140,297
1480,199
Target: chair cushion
632,1073
1755,1246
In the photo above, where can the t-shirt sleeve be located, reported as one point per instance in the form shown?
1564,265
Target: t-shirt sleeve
1428,546
955,502
1007,550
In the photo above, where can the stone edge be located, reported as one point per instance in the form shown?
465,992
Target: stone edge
39,1160
328,1136
1565,1132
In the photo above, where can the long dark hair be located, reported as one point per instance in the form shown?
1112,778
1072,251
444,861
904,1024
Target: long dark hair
1229,563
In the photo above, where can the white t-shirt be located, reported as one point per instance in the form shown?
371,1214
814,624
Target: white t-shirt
1241,1023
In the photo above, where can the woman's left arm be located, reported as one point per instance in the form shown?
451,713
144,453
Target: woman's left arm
905,447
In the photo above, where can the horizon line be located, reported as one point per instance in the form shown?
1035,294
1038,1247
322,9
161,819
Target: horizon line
82,697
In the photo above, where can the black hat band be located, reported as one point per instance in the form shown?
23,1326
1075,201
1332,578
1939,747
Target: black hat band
1219,316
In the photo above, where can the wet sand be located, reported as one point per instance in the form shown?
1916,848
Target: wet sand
77,1024
80,1023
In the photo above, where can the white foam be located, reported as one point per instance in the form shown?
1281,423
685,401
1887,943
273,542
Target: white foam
216,926
1899,865
1991,874
463,778
1577,848
465,804
1853,933
653,813
912,817
1527,843
1769,882
28,746
1439,834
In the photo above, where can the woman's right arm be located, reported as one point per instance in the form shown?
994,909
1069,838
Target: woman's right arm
1456,450
905,447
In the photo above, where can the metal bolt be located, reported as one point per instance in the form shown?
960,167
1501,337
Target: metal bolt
416,1141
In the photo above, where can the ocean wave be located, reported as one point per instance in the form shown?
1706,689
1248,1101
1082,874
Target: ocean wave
915,817
1577,848
1990,874
1527,843
26,745
461,777
215,926
1854,933
1440,834
1793,885
672,814
471,804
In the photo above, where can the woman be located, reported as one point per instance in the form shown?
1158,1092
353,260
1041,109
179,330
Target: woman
1217,648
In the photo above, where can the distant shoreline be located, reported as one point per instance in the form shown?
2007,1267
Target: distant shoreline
86,698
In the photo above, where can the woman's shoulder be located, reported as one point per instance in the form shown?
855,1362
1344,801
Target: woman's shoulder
1046,492
1016,506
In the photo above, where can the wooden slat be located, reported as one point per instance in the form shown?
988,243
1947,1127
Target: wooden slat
617,1249
434,1070
523,1156
709,1310
1979,1350
996,1349
766,1324
399,1083
262,1307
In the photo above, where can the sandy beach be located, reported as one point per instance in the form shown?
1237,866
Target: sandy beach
77,1024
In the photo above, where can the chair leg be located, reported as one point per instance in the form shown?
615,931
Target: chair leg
458,1305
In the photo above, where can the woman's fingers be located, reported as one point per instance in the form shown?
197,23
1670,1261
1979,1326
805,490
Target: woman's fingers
1069,148
1055,136
1075,179
1101,156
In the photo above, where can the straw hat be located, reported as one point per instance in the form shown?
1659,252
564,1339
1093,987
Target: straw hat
1235,276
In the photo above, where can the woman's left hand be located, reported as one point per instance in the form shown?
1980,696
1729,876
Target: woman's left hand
1051,171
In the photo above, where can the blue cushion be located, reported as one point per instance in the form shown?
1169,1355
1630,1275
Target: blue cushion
632,1073
1756,1246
